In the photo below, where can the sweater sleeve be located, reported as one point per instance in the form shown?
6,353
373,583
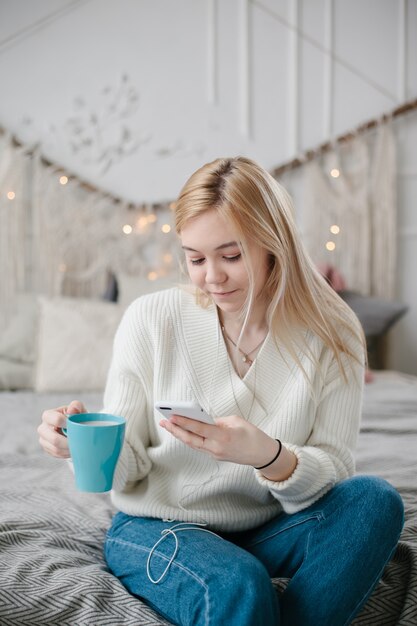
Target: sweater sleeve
125,395
328,455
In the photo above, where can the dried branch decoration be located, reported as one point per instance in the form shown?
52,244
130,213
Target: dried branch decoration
106,137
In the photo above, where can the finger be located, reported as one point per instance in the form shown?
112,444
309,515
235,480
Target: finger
53,437
191,439
55,418
193,426
59,453
53,442
75,407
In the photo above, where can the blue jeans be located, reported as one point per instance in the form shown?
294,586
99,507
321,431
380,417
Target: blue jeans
334,554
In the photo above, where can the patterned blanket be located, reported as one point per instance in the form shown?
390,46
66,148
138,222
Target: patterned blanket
52,571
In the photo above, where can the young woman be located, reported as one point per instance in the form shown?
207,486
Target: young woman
209,513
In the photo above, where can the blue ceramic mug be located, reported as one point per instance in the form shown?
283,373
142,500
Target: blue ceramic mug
95,441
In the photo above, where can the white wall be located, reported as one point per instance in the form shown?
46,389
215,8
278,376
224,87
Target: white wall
266,78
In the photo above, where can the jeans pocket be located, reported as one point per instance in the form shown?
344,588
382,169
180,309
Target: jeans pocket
119,523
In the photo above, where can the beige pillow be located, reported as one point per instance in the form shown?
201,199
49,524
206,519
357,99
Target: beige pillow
18,340
131,287
15,375
75,343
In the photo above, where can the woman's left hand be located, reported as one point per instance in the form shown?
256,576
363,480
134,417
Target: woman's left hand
231,438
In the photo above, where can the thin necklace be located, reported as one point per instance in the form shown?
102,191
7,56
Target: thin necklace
245,355
247,417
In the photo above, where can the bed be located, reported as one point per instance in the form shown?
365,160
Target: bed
52,570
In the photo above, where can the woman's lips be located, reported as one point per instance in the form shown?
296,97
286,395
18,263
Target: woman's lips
223,293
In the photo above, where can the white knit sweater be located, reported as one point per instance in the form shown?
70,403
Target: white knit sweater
168,348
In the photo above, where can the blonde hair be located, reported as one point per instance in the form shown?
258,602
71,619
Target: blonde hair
260,210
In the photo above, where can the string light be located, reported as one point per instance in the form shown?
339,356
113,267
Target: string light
166,228
127,229
330,245
334,229
63,180
152,275
167,258
172,206
11,195
152,218
335,173
142,222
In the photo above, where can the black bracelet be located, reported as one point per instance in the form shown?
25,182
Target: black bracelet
274,459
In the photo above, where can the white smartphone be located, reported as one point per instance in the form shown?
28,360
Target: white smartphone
185,409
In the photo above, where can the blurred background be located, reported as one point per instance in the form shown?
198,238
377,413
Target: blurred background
108,106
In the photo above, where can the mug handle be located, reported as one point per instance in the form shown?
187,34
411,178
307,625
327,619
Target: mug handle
64,429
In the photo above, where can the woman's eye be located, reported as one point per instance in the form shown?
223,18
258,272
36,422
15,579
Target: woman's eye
196,261
236,257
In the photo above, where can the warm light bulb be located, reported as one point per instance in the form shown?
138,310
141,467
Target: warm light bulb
330,245
142,222
63,180
152,276
11,195
152,218
335,172
127,229
172,206
334,229
166,228
167,258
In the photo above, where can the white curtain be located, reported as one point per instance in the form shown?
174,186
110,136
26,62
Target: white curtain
15,169
384,214
79,237
65,239
353,189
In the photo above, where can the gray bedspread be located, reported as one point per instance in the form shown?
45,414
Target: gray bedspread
52,570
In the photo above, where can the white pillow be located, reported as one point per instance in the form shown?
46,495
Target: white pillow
18,340
74,343
131,287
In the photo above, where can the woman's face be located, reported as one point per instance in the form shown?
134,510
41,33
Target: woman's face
215,262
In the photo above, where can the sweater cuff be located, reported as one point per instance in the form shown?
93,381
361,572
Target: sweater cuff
314,475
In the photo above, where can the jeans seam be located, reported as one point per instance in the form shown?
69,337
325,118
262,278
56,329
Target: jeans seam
371,588
316,516
307,548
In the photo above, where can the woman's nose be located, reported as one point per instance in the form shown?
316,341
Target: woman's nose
214,274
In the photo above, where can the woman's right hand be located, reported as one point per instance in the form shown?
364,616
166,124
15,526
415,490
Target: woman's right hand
50,435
